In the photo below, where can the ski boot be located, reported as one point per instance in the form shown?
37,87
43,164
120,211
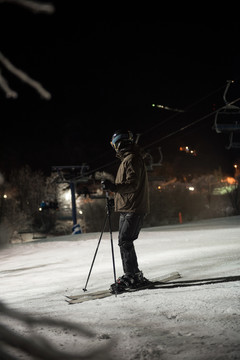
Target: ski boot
124,282
128,282
140,280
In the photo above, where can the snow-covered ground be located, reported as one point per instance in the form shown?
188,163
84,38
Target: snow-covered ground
197,322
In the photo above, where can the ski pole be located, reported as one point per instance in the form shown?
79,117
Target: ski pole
111,240
100,238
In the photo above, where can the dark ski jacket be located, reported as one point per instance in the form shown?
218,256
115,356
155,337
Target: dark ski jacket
132,194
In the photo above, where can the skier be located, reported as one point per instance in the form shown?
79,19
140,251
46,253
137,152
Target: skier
132,202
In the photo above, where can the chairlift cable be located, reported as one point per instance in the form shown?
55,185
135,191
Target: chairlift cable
168,135
164,137
192,123
185,110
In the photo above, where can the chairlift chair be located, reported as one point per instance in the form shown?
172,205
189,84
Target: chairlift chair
151,163
234,141
227,120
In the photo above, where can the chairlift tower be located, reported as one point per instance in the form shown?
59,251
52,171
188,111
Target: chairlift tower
72,180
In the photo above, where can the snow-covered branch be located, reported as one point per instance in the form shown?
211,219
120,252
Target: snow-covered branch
22,76
8,91
34,6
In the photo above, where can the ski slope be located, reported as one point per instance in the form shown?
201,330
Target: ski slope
197,322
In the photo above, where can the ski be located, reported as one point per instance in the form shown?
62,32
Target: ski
198,282
76,299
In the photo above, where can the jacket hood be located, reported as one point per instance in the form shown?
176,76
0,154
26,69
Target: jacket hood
133,149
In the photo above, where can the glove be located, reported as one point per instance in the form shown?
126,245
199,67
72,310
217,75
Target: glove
108,185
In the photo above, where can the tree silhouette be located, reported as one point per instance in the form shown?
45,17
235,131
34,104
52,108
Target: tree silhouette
36,7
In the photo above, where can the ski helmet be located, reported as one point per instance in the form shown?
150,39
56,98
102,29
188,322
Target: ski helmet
121,139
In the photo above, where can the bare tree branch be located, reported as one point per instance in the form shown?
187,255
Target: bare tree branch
8,91
5,311
34,6
39,347
24,77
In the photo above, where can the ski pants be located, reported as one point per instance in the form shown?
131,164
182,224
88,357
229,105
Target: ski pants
129,227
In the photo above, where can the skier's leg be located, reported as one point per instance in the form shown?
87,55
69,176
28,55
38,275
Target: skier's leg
129,227
129,259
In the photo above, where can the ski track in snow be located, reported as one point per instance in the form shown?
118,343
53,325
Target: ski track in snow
197,322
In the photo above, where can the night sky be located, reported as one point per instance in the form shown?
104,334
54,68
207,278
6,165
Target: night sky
106,75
